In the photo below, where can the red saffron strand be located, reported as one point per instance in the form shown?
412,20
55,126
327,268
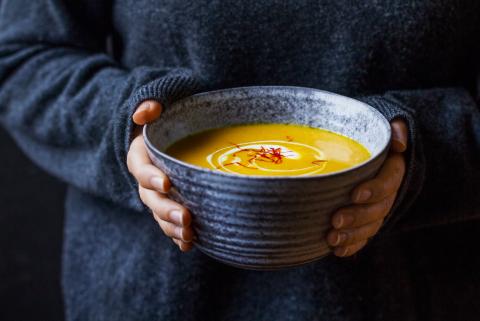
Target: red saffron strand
271,155
238,163
224,165
318,162
263,154
234,163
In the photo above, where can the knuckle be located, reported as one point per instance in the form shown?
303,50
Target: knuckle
168,232
175,232
156,218
167,229
159,215
181,233
160,210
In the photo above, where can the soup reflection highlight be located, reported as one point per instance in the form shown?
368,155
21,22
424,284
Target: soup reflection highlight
270,150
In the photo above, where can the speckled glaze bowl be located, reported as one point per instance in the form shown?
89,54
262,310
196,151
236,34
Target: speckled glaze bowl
259,222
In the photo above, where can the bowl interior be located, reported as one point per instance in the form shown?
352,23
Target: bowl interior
289,105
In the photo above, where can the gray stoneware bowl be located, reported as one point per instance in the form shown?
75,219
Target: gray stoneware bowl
258,222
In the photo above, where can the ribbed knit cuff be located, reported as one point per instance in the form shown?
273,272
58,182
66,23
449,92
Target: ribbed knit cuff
174,85
413,179
391,109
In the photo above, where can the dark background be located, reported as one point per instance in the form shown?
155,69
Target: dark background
31,219
444,261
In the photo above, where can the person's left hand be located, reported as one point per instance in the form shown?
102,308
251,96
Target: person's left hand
354,225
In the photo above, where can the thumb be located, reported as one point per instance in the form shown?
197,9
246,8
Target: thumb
399,136
146,112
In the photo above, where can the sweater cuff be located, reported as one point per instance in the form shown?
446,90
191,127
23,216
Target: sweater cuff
413,180
176,84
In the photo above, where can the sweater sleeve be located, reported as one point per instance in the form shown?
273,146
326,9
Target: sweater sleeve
67,104
442,183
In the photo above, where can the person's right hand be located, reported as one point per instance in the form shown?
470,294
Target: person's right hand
153,184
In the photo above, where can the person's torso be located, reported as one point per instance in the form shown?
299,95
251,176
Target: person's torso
350,47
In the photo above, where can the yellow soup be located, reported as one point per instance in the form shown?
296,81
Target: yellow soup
270,150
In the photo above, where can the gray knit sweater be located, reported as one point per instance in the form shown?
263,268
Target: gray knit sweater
73,71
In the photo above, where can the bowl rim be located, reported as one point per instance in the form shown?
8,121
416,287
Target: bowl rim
151,146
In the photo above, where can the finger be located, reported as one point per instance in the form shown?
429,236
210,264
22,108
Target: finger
358,215
176,232
384,184
165,209
183,246
355,235
399,136
147,111
140,166
344,251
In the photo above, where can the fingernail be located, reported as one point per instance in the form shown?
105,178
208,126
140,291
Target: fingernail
158,183
340,237
146,106
338,221
333,238
363,195
342,220
142,108
341,251
176,216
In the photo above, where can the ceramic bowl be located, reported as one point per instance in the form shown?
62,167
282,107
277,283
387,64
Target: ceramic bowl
259,222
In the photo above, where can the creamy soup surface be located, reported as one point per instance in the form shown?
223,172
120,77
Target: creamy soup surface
270,150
